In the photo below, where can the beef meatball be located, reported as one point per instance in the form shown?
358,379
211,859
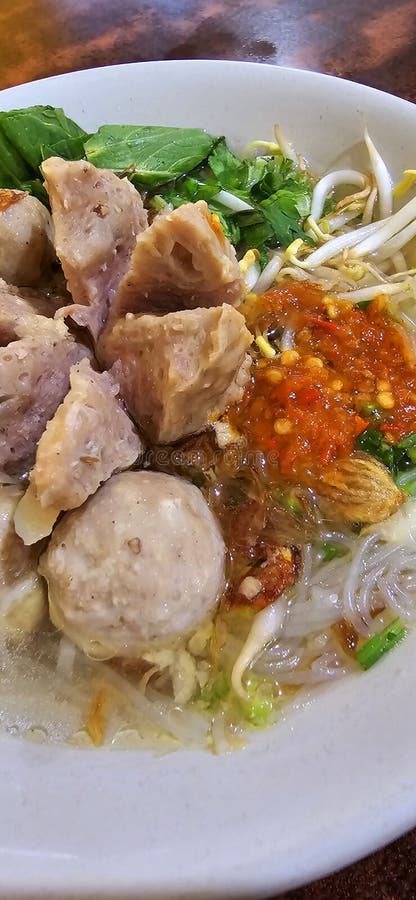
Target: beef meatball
26,247
141,562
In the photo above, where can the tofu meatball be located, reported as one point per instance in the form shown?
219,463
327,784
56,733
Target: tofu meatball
26,247
142,562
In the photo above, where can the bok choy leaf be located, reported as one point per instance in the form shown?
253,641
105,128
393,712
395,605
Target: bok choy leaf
37,132
152,155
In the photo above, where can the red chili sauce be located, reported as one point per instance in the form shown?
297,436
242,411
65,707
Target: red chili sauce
8,198
306,406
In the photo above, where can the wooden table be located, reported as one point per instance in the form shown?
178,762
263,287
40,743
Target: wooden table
372,41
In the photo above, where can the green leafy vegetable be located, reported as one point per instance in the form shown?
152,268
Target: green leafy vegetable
284,211
229,170
37,132
152,154
188,190
399,458
175,165
13,169
279,195
380,644
256,237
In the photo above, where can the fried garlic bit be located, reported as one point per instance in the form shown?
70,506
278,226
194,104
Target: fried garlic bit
360,489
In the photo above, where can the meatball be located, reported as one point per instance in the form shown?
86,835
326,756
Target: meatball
141,562
26,247
179,371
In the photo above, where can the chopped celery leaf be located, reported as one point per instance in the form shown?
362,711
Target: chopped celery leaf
215,691
259,706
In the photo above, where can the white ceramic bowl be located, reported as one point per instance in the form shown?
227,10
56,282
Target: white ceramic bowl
331,782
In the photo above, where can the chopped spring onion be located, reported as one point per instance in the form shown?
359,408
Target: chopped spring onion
158,203
381,643
329,550
258,706
328,183
371,410
292,503
406,481
215,691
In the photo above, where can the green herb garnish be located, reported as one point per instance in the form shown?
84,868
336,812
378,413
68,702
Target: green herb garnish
278,194
177,165
399,458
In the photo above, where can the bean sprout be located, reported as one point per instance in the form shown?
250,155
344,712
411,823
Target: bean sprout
328,183
268,275
340,243
382,177
285,146
231,201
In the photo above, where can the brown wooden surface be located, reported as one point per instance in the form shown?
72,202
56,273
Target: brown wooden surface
372,41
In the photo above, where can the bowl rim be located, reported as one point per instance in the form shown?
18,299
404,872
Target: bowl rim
236,883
